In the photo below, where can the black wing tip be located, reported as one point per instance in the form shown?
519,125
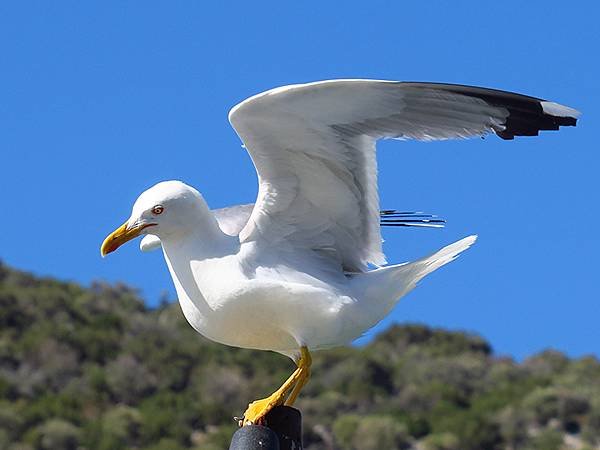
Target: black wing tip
527,115
519,124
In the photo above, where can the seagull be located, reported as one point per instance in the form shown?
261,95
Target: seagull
302,269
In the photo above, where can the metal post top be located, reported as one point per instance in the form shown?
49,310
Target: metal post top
282,431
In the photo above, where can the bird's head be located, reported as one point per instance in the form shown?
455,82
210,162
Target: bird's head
166,209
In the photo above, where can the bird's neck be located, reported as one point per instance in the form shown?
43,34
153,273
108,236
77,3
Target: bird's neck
190,256
203,239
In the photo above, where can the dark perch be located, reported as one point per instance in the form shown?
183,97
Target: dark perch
282,431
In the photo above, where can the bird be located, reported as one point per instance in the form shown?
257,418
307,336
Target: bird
303,269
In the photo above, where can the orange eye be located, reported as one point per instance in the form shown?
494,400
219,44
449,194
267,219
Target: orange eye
158,209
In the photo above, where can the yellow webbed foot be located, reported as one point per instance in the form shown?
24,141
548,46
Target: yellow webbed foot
258,409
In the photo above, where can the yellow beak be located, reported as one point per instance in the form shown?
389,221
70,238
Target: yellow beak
121,235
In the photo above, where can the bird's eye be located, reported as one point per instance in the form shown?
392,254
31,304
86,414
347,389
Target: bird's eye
158,209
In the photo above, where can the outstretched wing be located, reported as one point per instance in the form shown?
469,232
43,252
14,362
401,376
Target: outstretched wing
313,146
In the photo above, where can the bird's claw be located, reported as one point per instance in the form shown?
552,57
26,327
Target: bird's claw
258,409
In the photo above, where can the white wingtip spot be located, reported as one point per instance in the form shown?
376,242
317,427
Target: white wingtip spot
558,110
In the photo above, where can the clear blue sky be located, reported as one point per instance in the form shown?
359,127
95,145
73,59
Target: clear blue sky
100,100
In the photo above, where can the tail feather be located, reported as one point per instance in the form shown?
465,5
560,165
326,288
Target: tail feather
404,278
425,266
380,289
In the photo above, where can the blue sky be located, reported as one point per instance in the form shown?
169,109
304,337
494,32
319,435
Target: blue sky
100,100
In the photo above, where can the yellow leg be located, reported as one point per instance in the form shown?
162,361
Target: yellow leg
305,361
258,409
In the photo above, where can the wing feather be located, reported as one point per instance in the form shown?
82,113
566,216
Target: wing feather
313,146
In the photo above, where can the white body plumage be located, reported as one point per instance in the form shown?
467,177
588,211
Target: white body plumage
254,295
294,269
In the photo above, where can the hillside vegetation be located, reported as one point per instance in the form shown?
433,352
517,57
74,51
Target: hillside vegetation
94,368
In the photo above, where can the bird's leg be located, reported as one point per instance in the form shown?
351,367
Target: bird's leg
258,409
304,362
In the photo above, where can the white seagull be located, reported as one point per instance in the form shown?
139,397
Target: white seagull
303,268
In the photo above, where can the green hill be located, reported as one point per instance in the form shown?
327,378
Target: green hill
94,368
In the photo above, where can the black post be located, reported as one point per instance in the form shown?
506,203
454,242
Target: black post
282,431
